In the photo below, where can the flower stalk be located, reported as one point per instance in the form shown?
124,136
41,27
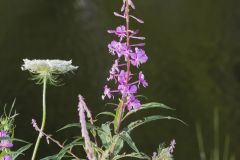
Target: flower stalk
124,99
131,55
44,72
43,118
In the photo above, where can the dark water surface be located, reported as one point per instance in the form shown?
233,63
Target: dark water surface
194,65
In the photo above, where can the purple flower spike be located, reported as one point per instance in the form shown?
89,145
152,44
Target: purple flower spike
7,157
126,56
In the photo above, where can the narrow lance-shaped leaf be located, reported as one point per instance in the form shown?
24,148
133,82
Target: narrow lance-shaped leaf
118,115
148,119
126,137
105,135
132,155
20,151
78,125
148,106
106,113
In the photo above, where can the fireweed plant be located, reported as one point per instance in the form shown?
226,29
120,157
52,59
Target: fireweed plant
7,136
106,142
46,72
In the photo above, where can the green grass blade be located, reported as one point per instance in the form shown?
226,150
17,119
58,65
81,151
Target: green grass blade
200,142
216,152
226,148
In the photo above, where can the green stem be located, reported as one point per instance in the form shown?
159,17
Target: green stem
121,113
43,118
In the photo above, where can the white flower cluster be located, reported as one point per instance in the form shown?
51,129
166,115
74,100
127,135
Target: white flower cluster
55,66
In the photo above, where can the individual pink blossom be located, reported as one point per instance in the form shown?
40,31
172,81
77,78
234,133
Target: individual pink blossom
7,157
107,92
120,31
5,144
3,134
141,80
133,103
117,48
139,57
122,77
127,90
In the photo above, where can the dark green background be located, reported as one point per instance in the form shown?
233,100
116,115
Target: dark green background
194,65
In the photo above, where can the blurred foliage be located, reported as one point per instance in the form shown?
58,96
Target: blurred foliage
216,153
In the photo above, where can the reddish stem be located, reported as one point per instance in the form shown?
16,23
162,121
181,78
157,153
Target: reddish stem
124,99
128,39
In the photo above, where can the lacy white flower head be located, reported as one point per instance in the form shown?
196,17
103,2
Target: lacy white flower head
48,69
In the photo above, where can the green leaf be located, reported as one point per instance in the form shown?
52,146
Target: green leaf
53,157
132,155
148,119
148,106
105,135
20,151
118,144
78,125
126,137
118,116
111,104
2,154
64,150
141,96
13,139
70,126
106,113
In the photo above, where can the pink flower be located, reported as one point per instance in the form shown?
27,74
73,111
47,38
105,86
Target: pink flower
133,103
5,144
120,31
3,134
127,90
141,80
107,92
7,157
139,57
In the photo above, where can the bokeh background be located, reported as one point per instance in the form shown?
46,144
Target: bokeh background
194,65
